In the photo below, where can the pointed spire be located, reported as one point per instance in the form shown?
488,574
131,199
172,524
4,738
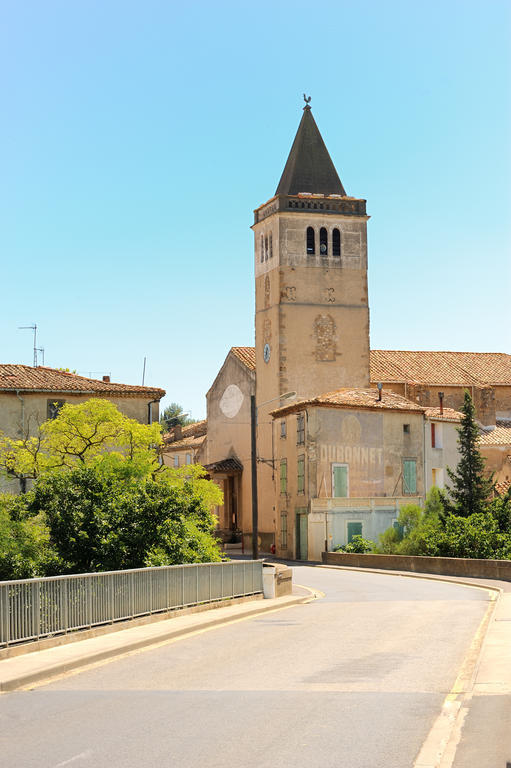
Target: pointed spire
309,167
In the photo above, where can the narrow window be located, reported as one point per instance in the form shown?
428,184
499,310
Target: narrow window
271,246
176,461
311,248
283,475
283,530
406,429
433,441
262,249
336,243
323,241
300,429
283,429
188,458
409,477
300,475
266,248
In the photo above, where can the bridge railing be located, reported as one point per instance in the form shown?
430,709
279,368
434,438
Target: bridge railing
35,608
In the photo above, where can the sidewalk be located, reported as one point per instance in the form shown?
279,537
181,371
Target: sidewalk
28,669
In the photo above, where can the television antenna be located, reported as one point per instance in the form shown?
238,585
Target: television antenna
34,329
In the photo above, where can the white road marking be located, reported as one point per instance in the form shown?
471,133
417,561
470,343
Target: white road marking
87,753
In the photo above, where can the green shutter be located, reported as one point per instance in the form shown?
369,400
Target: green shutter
340,475
354,529
410,476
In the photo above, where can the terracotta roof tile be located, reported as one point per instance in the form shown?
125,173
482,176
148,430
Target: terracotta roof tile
503,487
501,435
197,429
225,465
246,355
26,378
449,414
193,441
442,368
355,398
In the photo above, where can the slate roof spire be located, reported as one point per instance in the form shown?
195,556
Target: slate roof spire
309,167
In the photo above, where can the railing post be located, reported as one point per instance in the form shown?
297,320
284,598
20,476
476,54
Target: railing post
182,586
4,614
36,613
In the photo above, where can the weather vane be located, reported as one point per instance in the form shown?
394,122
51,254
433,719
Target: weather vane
307,99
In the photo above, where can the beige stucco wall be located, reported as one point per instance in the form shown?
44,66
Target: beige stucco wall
440,457
372,443
229,432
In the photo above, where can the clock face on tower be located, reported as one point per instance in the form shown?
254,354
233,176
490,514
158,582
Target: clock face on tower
266,353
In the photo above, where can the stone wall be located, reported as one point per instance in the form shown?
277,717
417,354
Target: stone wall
446,566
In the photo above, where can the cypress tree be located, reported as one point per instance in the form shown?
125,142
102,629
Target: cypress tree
470,485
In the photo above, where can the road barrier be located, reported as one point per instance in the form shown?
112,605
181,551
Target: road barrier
31,609
445,566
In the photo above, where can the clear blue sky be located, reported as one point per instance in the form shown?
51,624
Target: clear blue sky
137,138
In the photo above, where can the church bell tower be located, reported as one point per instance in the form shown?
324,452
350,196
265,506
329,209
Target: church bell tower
311,313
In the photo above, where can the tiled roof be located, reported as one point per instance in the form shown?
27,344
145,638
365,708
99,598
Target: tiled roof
449,414
26,378
355,399
501,435
246,355
503,487
197,429
442,368
225,465
193,441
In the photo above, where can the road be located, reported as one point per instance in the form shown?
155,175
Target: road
355,679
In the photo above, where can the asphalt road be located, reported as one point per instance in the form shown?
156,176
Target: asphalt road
353,680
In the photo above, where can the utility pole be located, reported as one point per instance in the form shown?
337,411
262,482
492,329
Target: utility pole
253,461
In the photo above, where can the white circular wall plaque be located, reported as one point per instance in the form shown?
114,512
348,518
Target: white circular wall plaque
266,353
231,401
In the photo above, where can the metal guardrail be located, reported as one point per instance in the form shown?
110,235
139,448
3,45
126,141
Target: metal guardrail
34,608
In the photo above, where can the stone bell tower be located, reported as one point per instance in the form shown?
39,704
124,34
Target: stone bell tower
312,313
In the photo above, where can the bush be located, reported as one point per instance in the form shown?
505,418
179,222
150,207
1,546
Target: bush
25,549
358,545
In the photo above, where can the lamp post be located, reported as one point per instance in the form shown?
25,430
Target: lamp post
253,461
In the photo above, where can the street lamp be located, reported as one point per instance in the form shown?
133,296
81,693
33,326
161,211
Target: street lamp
253,457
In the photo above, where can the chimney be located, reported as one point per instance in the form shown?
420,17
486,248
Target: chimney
106,379
441,398
380,387
178,432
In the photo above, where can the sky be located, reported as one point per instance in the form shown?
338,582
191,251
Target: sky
136,139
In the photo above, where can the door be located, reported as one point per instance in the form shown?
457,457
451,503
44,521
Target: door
339,480
301,536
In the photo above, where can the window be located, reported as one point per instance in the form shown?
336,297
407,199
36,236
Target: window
176,461
262,249
300,429
353,528
188,458
406,429
336,243
271,246
339,480
283,475
436,435
300,475
409,477
283,530
311,247
266,248
323,241
54,407
283,429
437,477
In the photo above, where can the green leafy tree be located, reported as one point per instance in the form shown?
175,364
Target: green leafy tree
174,415
25,547
82,435
471,487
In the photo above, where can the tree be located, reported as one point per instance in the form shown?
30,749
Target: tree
470,486
25,548
82,435
173,415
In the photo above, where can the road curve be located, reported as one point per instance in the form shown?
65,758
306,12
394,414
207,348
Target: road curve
352,680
